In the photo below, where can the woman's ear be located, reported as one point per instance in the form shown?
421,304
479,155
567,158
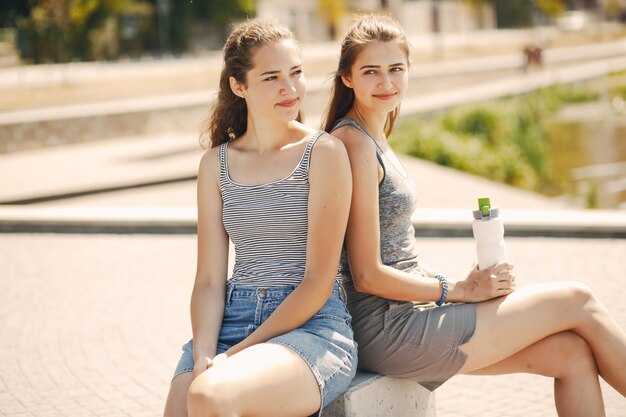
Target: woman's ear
236,88
346,81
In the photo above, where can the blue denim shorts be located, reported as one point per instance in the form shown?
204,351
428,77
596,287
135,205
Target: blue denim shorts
325,341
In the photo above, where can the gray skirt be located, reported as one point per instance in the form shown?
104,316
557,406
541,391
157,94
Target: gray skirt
410,340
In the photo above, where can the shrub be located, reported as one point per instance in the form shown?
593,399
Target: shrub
505,141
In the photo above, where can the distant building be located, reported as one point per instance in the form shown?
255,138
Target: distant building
416,16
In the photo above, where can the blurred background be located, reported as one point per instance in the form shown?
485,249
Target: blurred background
546,112
101,103
53,31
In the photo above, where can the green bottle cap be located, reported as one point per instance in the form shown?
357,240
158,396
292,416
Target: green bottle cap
485,211
484,205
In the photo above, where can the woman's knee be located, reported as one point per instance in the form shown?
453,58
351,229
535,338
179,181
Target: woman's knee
210,396
581,292
577,297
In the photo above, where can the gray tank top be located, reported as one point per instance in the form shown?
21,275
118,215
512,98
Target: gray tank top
396,204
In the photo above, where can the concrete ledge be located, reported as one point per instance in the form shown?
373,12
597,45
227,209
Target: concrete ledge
98,220
372,395
548,223
427,222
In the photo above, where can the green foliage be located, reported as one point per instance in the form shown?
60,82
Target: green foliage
220,14
619,91
513,13
572,95
505,141
67,30
480,122
591,197
612,8
223,11
551,8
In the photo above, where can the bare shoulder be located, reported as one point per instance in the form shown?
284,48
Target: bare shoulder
329,150
209,163
355,141
330,165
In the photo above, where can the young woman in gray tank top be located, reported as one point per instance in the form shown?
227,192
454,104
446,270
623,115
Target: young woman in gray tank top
275,338
411,322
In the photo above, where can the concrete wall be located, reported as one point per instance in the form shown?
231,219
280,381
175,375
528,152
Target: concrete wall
44,133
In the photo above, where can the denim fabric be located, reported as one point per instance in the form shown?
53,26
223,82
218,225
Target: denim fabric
325,341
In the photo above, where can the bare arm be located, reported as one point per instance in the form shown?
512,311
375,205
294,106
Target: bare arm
207,299
329,202
369,274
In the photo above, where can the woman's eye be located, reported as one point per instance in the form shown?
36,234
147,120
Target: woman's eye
369,72
397,69
272,78
297,72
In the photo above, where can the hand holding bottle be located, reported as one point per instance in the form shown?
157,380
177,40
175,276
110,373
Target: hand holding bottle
485,284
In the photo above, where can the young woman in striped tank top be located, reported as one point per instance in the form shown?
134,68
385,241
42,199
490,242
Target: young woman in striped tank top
405,323
274,339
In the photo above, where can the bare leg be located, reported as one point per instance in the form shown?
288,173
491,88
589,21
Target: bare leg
263,380
510,324
176,404
568,359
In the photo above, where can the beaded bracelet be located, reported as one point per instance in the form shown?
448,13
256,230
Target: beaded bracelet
444,281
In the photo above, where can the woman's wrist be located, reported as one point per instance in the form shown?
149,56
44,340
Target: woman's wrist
456,292
202,353
443,284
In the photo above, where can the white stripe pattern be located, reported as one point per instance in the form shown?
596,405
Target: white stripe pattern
268,224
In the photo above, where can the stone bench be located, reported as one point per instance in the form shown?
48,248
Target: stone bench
372,395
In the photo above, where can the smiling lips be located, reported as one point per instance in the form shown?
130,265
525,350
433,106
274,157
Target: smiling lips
288,103
385,96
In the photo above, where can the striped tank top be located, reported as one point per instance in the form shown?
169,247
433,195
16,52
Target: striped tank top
268,224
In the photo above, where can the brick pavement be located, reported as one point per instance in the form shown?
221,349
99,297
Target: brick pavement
91,325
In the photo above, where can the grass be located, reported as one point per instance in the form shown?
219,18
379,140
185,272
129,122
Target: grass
505,140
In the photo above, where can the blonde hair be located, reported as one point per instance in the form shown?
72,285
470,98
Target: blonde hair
368,29
228,118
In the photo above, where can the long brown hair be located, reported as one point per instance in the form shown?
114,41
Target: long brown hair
364,31
228,118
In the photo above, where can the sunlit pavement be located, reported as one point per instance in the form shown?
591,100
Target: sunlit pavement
92,325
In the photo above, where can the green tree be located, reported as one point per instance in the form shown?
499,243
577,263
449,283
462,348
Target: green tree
220,14
514,13
64,30
12,10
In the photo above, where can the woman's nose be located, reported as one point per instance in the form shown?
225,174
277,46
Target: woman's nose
287,88
384,81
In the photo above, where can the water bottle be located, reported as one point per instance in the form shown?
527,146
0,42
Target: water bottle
489,234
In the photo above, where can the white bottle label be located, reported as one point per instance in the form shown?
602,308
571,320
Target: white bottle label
490,247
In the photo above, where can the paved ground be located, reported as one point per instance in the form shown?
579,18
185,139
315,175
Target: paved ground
91,325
